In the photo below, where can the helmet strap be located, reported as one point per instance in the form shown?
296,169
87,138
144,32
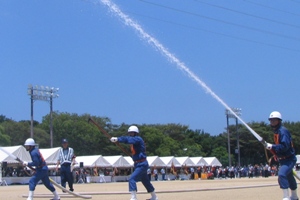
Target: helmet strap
29,148
275,127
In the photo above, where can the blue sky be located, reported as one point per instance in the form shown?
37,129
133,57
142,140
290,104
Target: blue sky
247,52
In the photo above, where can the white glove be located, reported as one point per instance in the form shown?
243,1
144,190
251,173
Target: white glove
25,163
268,146
114,139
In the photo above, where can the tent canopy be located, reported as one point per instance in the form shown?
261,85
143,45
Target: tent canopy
117,161
212,161
199,161
6,158
170,160
50,155
298,159
18,151
92,161
155,161
129,160
185,161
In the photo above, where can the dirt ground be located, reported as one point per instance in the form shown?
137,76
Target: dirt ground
225,189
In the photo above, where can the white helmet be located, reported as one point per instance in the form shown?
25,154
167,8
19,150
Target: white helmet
29,142
275,114
133,129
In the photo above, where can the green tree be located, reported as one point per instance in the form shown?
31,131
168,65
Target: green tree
222,154
84,137
156,142
4,139
18,132
294,128
3,118
160,139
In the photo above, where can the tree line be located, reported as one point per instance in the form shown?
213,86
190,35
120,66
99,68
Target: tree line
161,139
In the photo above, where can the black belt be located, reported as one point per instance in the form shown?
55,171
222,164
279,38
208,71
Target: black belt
138,161
284,157
38,167
66,164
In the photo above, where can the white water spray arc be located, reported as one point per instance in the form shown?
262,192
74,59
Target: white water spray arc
156,44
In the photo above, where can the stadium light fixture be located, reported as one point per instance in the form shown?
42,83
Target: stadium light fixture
43,94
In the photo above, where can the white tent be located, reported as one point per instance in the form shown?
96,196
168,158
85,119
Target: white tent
92,161
199,161
129,160
18,151
6,158
117,161
152,161
298,159
50,155
212,161
169,160
185,161
155,161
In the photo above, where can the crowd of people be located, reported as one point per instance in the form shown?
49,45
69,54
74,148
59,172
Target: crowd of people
248,171
210,172
15,172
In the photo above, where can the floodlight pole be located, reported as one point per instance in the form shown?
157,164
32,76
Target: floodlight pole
44,94
228,138
51,125
237,111
31,111
238,141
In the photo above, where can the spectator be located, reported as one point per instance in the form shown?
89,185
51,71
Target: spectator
149,173
155,174
192,173
163,174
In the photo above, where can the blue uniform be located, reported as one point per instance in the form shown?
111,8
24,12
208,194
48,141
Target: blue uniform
283,148
141,165
41,170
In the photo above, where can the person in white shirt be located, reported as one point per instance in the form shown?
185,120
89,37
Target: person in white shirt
66,159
